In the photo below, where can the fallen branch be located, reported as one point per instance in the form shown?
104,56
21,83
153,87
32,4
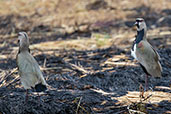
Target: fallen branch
76,68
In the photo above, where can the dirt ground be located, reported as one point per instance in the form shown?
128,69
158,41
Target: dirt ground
83,49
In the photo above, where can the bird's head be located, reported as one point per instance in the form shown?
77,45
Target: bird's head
23,39
140,23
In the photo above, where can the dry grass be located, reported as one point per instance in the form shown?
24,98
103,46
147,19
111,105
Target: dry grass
56,12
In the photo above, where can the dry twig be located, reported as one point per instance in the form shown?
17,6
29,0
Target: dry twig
76,68
78,105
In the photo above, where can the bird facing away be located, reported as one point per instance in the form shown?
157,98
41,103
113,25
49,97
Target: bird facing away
28,68
144,53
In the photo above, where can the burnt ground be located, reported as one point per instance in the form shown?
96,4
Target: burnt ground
86,64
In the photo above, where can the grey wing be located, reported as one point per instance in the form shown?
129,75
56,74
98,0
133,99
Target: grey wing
157,57
38,72
145,56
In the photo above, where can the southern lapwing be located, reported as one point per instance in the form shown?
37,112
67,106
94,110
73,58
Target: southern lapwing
144,53
28,68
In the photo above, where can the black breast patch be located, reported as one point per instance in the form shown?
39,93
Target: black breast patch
140,35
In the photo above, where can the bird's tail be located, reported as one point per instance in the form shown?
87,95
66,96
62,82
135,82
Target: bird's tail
40,87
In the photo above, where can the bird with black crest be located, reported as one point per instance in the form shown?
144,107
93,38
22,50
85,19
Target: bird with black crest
144,53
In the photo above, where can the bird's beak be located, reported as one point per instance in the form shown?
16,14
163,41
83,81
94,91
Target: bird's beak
134,27
135,23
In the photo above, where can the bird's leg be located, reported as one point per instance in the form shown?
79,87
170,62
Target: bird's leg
146,82
26,97
39,99
141,89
